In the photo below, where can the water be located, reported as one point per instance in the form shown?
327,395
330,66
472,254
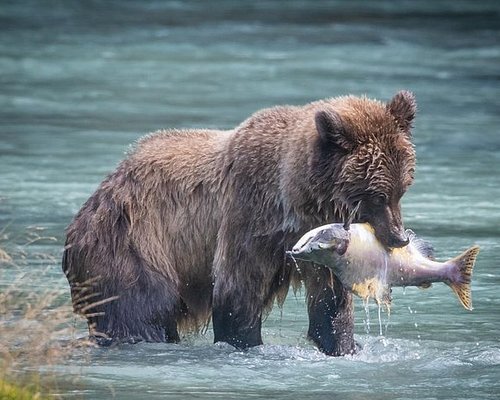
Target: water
80,81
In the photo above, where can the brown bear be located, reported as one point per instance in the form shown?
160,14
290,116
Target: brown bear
194,224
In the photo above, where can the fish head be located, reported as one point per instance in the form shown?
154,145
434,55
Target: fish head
322,245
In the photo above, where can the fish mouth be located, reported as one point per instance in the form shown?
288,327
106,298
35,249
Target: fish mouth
304,248
299,253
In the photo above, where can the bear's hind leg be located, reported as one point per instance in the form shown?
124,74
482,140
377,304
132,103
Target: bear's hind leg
126,321
145,310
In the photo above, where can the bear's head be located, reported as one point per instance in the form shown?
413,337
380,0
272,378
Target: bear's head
372,158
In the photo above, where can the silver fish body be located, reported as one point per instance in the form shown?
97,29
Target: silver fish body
369,269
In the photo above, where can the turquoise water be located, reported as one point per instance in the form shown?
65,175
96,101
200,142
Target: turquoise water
80,81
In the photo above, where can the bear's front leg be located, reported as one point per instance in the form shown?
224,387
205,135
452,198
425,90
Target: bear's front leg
244,270
331,317
237,305
233,325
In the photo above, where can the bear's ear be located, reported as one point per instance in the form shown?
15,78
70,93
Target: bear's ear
403,108
331,130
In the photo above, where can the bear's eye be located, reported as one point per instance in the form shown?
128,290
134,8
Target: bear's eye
378,200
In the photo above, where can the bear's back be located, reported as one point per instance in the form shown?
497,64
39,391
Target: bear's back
180,155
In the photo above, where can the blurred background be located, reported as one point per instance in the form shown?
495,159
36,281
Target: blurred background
80,81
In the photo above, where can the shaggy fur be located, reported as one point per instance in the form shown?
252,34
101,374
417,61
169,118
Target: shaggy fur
194,224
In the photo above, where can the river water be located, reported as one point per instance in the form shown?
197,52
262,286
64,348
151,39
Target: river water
80,81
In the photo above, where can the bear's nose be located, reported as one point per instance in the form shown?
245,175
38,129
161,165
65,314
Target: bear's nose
399,241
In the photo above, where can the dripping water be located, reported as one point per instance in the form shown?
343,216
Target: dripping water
380,319
366,321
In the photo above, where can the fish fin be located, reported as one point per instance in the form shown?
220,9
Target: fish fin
423,246
465,265
425,285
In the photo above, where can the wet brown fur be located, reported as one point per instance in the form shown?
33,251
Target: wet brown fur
199,220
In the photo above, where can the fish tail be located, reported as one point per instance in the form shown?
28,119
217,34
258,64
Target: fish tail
462,286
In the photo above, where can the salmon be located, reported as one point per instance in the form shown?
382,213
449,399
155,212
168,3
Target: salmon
369,269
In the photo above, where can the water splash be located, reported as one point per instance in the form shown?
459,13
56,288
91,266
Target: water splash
380,350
